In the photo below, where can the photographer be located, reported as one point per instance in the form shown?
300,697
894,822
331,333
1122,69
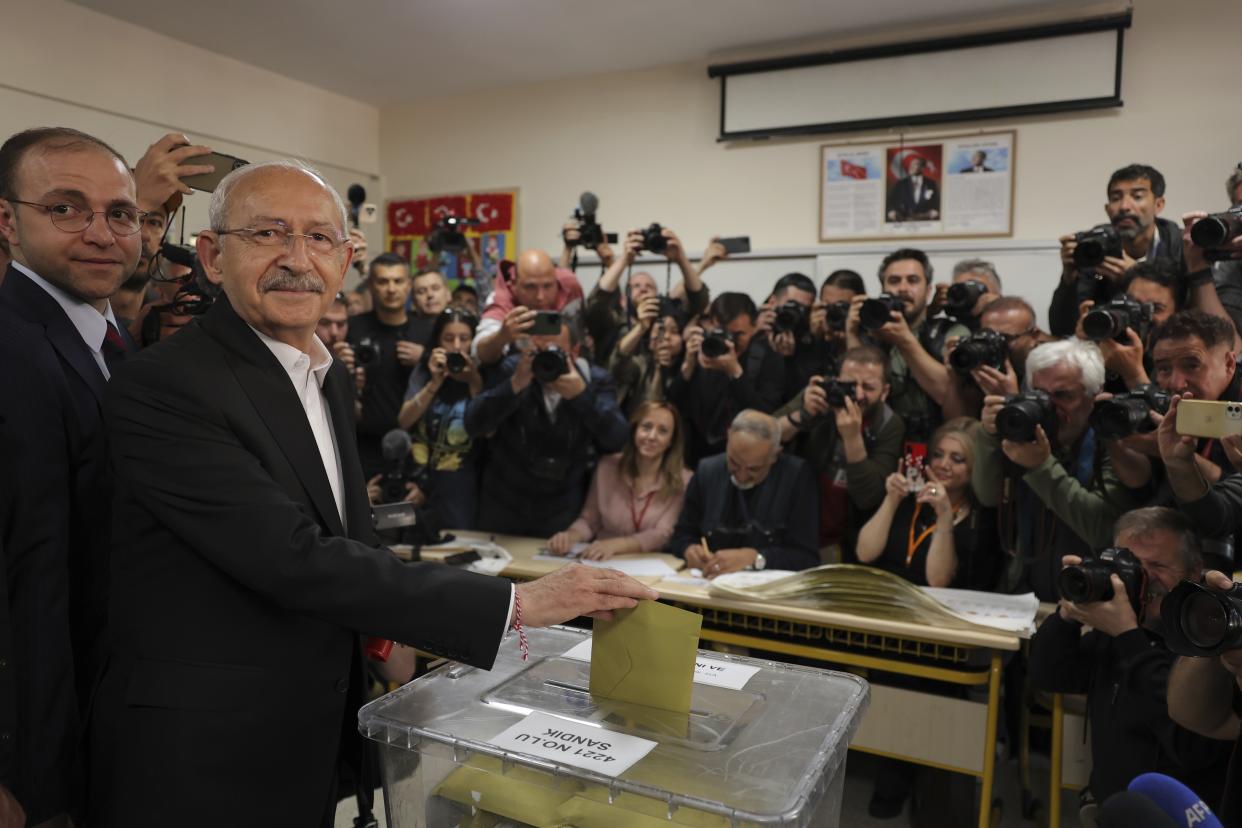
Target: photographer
830,314
787,321
934,533
648,358
387,345
966,304
726,369
1135,233
753,505
434,413
918,377
852,442
1122,665
1205,696
532,284
1128,364
548,415
1063,495
609,316
571,233
1013,319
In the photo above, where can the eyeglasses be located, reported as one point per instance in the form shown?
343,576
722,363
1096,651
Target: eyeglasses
122,221
316,242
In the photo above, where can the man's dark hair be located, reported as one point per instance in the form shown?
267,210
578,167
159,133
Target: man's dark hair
1163,272
911,253
730,305
797,281
468,289
846,280
386,260
55,138
1008,303
1133,172
1213,330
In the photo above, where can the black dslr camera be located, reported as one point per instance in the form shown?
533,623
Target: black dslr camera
984,347
876,313
1022,412
716,342
653,238
1216,231
590,233
367,351
448,234
1095,245
791,317
1090,581
1113,318
1127,413
549,364
1201,622
837,391
455,362
961,297
838,313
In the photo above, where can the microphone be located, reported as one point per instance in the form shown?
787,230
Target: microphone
1127,809
1184,806
395,445
356,195
588,203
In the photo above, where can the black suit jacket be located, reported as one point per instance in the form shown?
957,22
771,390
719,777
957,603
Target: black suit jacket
238,596
901,197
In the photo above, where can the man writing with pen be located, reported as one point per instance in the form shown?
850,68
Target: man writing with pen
751,507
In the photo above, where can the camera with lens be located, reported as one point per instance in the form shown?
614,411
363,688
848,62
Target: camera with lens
716,342
961,298
449,233
1091,581
1216,231
984,347
836,391
590,233
1128,413
1202,622
1021,413
838,313
1095,245
653,238
877,312
791,317
1115,316
455,362
549,364
367,351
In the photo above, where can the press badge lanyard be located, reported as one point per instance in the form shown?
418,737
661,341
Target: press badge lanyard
638,517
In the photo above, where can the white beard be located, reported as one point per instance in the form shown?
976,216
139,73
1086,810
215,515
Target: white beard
740,487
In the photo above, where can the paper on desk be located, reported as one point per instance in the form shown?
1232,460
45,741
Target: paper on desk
634,567
1013,613
646,656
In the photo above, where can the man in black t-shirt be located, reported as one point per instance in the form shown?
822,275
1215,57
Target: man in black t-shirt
387,345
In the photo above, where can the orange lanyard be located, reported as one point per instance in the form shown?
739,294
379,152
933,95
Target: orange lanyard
914,543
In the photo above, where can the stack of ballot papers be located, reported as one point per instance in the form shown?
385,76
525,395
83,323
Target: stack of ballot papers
867,591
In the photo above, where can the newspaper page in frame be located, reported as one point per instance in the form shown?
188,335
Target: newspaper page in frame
959,186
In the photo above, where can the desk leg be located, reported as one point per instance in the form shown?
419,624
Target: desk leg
989,741
1054,770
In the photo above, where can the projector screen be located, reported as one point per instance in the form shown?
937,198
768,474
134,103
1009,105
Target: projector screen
1073,66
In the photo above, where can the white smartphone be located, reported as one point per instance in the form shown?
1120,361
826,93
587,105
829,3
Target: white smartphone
1209,418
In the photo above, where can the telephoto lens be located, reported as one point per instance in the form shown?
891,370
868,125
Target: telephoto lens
877,312
1021,413
1202,622
1218,229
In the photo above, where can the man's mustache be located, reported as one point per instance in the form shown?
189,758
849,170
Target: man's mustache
286,280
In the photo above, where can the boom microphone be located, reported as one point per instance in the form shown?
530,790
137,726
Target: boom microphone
356,195
1127,809
588,203
1184,806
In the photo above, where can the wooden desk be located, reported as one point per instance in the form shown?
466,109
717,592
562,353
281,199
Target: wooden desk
524,566
949,733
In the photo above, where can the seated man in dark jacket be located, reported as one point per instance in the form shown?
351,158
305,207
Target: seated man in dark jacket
548,416
1124,668
755,507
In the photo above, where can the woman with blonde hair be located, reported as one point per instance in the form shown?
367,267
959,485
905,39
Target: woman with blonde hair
635,496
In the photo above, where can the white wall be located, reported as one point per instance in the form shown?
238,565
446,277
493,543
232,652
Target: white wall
64,65
645,142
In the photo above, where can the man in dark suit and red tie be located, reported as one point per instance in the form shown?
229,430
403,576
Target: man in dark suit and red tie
916,197
245,566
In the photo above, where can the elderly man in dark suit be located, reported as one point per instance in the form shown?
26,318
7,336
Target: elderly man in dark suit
916,197
244,564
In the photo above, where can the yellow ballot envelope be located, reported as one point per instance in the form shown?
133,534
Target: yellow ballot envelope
646,656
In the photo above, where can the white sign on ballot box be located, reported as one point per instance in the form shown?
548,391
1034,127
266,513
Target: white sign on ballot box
711,671
574,743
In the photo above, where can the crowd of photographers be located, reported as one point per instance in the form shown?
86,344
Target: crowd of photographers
927,428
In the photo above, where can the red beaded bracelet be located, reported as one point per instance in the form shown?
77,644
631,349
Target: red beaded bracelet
517,625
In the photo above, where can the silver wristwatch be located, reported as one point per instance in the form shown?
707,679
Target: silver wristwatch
760,562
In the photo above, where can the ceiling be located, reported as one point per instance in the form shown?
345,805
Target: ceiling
399,51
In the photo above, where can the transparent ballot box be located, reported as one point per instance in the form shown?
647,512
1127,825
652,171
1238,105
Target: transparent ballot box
526,744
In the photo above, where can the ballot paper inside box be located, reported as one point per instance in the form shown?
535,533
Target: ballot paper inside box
527,744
